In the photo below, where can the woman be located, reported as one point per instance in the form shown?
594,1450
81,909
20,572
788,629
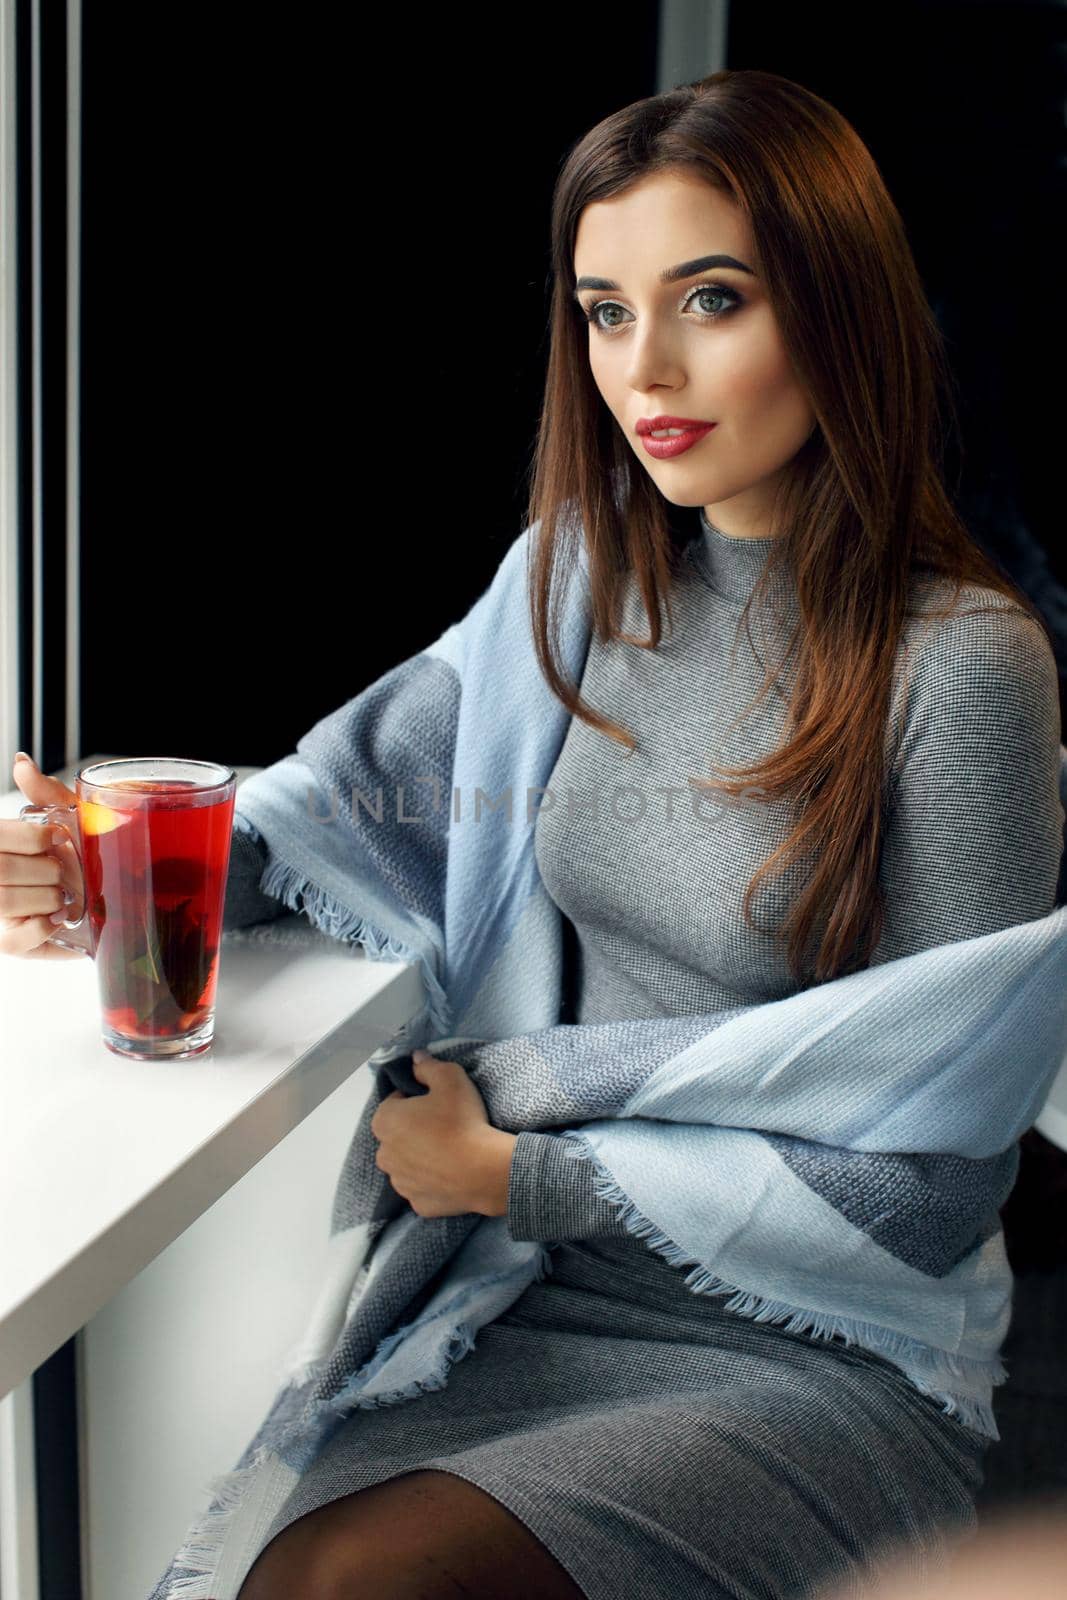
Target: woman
730,273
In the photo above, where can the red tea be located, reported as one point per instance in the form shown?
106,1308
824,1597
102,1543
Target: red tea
155,883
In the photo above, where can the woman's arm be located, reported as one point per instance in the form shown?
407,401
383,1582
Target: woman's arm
551,1197
975,830
245,901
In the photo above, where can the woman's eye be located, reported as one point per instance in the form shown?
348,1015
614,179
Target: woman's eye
593,313
713,291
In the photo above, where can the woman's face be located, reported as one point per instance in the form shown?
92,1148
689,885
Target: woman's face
704,347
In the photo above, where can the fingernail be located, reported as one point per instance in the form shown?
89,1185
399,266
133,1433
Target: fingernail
20,755
58,916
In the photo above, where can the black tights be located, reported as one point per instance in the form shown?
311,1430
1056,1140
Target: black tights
424,1535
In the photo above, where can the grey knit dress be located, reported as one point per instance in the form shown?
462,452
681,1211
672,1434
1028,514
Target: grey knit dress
656,1443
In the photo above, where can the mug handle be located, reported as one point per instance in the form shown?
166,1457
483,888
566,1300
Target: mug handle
79,934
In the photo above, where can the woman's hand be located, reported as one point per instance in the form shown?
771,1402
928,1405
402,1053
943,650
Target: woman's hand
38,876
439,1150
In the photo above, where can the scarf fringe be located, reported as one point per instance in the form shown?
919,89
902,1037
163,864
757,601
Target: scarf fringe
297,892
942,1365
193,1569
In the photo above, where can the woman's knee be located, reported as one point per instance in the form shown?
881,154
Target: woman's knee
311,1558
423,1535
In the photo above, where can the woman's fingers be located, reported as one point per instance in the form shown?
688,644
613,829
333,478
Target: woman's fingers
38,787
28,937
37,878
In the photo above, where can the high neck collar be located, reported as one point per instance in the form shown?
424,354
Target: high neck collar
732,566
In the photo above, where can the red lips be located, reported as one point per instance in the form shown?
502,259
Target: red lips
655,424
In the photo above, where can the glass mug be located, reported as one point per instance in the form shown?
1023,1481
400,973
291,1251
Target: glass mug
152,836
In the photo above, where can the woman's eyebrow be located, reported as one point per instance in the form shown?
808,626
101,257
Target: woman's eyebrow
684,269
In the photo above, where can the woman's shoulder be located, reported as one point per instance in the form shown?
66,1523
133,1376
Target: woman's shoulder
973,630
932,594
976,668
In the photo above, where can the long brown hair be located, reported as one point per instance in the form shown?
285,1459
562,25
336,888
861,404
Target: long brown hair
864,505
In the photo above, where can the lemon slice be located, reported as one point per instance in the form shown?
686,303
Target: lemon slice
96,818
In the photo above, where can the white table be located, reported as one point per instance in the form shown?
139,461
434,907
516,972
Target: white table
104,1162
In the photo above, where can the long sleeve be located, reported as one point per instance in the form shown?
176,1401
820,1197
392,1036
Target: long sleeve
551,1197
245,902
975,833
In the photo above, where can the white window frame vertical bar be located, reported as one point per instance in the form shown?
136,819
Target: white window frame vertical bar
692,41
72,730
10,631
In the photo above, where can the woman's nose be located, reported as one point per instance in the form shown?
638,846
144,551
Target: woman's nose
653,363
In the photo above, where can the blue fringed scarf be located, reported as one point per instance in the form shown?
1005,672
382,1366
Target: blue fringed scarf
834,1161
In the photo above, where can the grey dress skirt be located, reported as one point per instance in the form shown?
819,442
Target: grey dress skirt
658,1448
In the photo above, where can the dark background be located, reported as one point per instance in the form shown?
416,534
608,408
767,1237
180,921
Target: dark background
315,287
314,302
